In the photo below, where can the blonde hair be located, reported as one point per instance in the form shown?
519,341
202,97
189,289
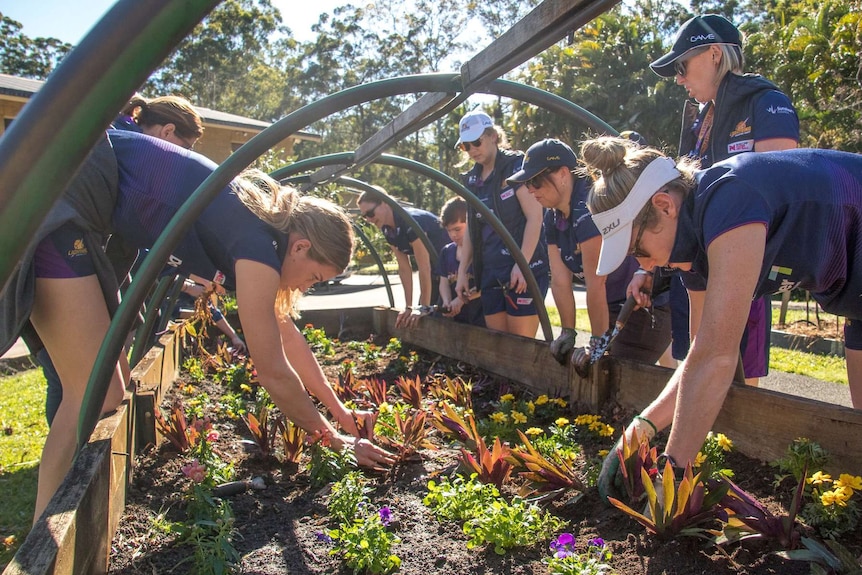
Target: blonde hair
732,60
325,225
166,110
614,164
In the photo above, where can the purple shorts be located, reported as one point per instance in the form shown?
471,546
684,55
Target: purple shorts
62,254
755,340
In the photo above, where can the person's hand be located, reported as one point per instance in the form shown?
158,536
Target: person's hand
404,319
193,289
238,345
583,357
564,343
517,283
454,307
641,286
610,480
372,456
462,286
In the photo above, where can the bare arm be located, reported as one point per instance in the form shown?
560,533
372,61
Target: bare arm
561,288
597,296
705,376
303,361
405,273
257,285
423,262
775,145
462,285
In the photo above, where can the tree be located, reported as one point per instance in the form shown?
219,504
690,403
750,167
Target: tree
28,57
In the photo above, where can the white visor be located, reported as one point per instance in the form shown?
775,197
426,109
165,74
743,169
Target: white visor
616,223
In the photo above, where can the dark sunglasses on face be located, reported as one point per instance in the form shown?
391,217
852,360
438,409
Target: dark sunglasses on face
536,181
465,146
681,66
370,213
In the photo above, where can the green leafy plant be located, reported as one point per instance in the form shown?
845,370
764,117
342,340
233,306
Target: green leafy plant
678,510
194,369
459,499
566,560
348,495
328,465
831,508
394,346
366,545
830,559
550,477
318,341
710,460
801,455
508,525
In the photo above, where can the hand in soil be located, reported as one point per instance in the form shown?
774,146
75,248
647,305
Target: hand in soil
609,482
372,456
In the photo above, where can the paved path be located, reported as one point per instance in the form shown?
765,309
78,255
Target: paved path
369,290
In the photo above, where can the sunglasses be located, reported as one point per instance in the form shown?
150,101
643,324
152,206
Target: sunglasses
465,146
370,213
636,250
681,66
536,181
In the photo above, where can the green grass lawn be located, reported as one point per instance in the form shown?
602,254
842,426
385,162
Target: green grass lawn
22,434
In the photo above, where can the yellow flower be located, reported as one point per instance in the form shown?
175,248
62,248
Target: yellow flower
723,442
535,431
819,477
403,358
843,494
607,431
700,459
829,498
531,407
9,541
586,419
542,400
560,401
518,417
384,408
561,422
507,397
853,482
499,417
245,387
603,452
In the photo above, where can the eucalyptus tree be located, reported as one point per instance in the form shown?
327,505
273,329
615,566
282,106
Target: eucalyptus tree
27,57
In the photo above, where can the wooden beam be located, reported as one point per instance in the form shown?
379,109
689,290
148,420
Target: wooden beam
761,423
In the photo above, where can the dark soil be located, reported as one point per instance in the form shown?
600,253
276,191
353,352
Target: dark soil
277,527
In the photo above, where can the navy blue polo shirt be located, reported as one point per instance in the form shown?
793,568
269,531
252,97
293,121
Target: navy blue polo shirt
811,203
568,233
402,236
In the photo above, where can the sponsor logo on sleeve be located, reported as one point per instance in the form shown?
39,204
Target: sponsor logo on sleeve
524,300
507,193
219,278
743,146
779,110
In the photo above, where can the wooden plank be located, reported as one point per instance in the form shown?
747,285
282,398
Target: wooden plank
153,377
762,423
527,361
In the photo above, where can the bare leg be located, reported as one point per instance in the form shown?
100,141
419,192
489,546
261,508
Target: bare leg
525,325
667,359
854,375
71,317
496,321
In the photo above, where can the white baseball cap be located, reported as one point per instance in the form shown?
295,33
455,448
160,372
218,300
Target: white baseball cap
616,223
473,125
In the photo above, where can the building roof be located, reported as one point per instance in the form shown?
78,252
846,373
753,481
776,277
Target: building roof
25,88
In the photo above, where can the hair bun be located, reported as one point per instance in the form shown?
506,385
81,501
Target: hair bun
605,154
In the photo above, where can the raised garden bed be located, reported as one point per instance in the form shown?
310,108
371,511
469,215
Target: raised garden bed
284,528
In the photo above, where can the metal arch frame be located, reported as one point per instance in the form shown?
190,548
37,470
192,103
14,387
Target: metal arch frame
112,345
458,188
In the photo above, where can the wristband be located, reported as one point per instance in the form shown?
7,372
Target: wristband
642,272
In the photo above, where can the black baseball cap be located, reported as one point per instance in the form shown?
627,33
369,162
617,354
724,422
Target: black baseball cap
699,31
549,153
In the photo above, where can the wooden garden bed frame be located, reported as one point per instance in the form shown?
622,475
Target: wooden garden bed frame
74,535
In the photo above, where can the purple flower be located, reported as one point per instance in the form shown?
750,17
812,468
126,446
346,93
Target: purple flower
321,536
597,542
563,545
385,515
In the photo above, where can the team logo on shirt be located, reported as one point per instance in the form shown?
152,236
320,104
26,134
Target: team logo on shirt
507,194
785,285
174,261
741,129
78,248
219,278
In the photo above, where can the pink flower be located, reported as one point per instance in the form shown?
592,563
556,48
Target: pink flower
195,471
213,435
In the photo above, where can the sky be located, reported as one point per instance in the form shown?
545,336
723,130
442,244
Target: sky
70,20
